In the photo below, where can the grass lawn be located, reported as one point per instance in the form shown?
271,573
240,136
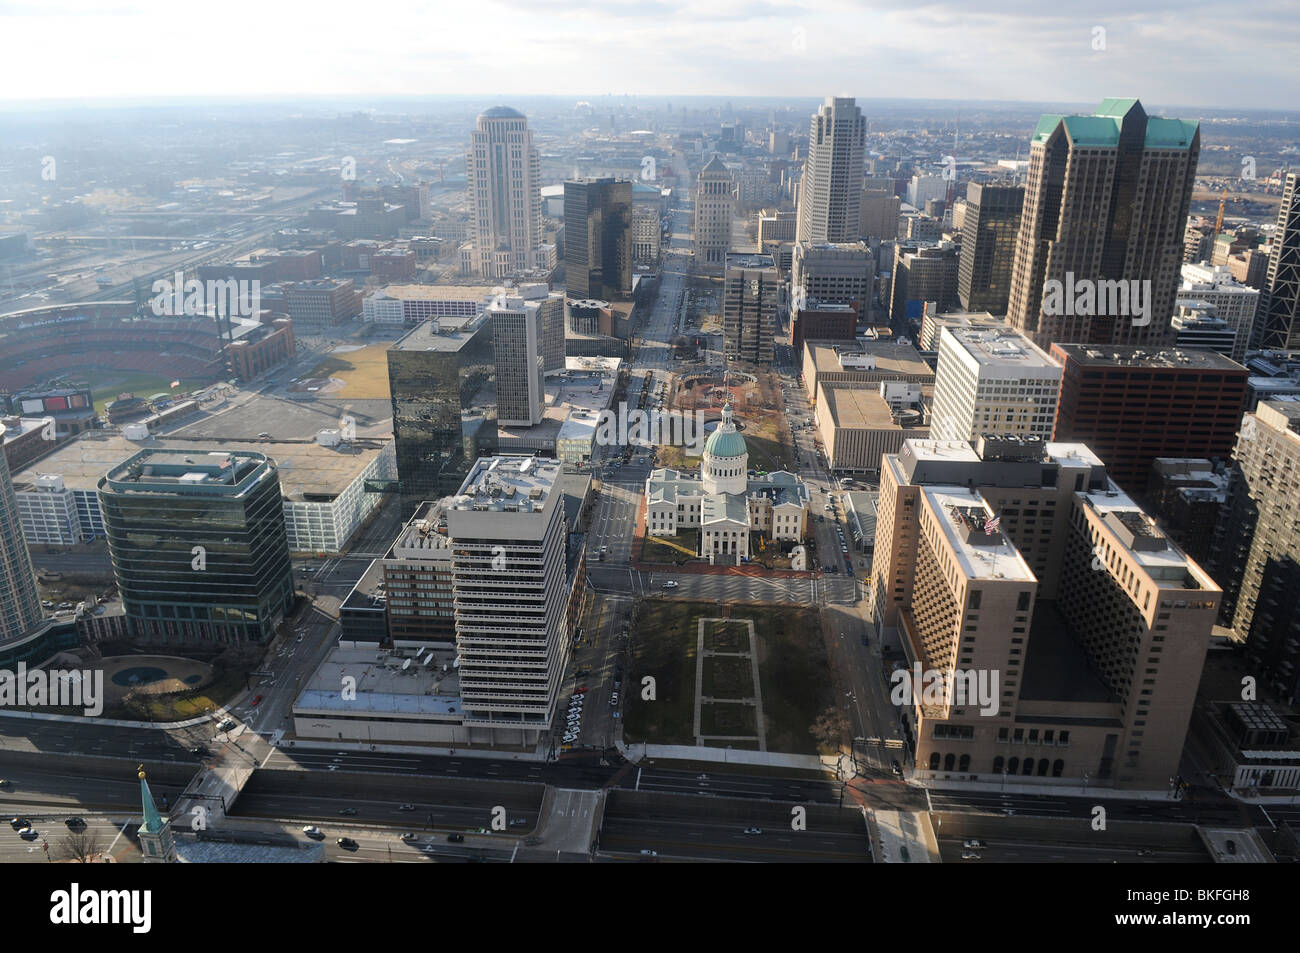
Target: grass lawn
726,677
669,549
364,372
676,458
108,384
726,637
727,720
793,669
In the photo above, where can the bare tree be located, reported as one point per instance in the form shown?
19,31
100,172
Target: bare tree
830,729
81,846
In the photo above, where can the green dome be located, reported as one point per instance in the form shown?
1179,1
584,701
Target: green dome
725,442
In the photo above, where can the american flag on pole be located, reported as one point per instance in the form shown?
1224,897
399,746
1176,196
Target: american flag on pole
176,383
991,525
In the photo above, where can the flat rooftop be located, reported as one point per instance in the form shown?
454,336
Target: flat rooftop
741,259
1150,547
509,480
1115,355
306,469
421,538
474,293
1000,560
860,408
385,683
449,334
891,357
998,347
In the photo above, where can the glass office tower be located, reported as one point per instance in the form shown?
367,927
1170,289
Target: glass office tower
198,545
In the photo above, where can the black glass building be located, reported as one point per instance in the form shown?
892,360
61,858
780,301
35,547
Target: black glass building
198,545
434,373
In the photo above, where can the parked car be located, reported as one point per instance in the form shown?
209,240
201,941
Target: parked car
227,724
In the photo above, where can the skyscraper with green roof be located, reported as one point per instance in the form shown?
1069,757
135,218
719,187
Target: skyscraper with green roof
1106,200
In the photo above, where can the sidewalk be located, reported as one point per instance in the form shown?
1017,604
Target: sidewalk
771,759
1059,790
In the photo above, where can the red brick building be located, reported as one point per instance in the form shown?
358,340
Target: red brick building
268,346
1131,405
823,322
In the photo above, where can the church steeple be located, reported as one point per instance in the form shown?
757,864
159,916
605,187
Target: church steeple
156,841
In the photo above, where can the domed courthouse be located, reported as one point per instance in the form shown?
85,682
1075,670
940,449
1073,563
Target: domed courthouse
727,505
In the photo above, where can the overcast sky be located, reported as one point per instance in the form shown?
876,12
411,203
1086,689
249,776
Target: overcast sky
1192,52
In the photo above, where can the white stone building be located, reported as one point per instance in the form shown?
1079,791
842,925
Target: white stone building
724,502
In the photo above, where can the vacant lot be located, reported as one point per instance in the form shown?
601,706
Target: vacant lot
364,372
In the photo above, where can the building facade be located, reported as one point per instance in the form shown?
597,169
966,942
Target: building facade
20,607
830,192
598,238
1281,324
1106,200
752,294
517,346
989,228
715,206
198,545
502,183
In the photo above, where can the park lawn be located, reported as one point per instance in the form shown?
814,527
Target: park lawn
726,677
726,637
728,720
663,647
793,669
669,549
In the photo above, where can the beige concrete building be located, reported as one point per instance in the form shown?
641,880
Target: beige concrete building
863,364
860,424
1072,627
715,205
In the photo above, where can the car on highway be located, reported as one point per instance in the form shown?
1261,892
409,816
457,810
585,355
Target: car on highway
406,807
347,843
29,833
348,811
973,844
1145,851
315,833
409,837
5,784
456,838
969,855
20,823
257,700
753,830
75,823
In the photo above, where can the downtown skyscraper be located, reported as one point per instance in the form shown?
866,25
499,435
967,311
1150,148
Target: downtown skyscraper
1281,323
502,172
830,194
1106,200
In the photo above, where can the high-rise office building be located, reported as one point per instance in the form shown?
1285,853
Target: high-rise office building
923,189
834,273
923,272
715,205
434,372
879,215
1213,289
598,239
1258,550
993,382
1072,629
830,193
418,578
1132,405
508,530
1106,200
20,606
517,347
989,228
198,545
751,295
502,181
1281,326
